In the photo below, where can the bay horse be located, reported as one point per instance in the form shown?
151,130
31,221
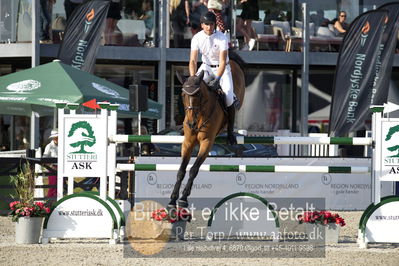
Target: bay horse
204,120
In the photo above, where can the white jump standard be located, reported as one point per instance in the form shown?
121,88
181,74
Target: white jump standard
84,152
380,221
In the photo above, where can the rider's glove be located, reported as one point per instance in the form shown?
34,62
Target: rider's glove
214,84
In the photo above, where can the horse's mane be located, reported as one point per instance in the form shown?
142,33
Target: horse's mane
237,58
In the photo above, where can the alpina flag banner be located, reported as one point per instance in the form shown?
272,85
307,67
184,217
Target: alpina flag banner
355,72
82,35
389,40
385,59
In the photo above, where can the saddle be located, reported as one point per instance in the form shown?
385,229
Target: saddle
192,90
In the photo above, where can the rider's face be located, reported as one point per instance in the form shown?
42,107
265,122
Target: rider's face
208,28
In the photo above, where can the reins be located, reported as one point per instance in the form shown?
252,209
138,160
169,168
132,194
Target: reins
201,111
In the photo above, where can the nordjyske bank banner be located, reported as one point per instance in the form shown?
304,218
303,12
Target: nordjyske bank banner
355,73
341,191
82,35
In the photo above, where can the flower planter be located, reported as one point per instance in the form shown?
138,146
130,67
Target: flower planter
28,230
178,230
330,236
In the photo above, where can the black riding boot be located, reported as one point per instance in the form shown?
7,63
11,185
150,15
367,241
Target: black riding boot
231,139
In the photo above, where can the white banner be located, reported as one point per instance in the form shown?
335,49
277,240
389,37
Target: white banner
85,146
341,191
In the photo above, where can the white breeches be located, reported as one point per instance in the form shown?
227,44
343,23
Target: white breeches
226,81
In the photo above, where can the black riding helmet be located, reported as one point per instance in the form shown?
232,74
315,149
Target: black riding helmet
208,17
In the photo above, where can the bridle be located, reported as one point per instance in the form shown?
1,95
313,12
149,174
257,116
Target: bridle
194,91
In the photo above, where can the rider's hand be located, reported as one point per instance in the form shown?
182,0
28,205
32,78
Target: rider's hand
214,84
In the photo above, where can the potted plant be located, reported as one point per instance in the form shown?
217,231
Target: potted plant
174,220
27,214
319,221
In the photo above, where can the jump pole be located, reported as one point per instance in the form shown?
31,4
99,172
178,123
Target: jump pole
246,140
249,168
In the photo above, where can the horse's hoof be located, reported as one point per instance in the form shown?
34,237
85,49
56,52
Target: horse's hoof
182,204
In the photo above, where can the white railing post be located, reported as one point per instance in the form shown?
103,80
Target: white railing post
283,149
39,192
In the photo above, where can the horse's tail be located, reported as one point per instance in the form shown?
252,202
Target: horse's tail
237,58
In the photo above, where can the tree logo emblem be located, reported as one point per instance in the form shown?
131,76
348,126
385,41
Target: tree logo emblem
82,135
392,131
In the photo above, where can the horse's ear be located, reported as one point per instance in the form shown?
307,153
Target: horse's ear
201,75
180,77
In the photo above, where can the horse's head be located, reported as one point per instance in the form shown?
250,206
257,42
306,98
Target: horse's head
192,95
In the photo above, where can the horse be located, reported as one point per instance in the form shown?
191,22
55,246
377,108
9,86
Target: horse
204,120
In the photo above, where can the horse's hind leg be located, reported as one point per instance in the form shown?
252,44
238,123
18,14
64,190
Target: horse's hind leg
205,146
187,148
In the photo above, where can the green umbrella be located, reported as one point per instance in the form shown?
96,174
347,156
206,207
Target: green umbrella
38,89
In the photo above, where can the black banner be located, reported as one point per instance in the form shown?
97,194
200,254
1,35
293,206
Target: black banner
82,35
355,72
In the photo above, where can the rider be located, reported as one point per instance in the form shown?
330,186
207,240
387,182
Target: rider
213,46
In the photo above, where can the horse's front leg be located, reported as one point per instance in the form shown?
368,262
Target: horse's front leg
205,146
186,150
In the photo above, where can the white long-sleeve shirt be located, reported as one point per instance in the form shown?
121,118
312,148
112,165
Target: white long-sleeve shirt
51,150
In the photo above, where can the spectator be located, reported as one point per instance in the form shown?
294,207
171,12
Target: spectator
340,26
180,17
45,20
70,6
319,19
148,17
250,11
51,151
58,29
273,14
130,11
198,9
216,6
20,141
114,14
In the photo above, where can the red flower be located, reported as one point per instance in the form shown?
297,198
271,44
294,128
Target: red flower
12,204
321,217
21,209
40,204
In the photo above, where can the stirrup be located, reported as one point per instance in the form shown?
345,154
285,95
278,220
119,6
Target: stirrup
236,103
